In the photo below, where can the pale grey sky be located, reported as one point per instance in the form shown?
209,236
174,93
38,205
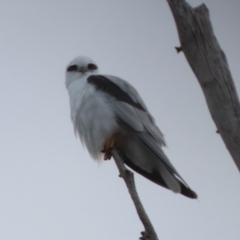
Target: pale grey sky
49,186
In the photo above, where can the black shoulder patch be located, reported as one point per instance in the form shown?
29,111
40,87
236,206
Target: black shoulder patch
104,84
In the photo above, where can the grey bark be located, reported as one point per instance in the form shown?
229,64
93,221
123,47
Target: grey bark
210,66
127,175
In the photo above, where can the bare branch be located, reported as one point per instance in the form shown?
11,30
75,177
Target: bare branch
210,66
128,177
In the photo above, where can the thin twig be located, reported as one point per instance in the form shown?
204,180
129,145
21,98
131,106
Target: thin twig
128,177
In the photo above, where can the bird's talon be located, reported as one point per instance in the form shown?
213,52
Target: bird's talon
107,153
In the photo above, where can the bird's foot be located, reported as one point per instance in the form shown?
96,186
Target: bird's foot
108,147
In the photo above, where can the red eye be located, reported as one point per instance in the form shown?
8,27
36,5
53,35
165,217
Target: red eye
72,68
92,67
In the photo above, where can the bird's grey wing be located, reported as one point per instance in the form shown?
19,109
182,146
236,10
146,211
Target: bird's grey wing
129,103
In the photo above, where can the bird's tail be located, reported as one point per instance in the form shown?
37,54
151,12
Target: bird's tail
144,161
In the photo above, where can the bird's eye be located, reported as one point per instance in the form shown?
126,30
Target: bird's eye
72,68
92,67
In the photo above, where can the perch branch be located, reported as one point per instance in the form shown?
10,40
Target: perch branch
210,66
128,177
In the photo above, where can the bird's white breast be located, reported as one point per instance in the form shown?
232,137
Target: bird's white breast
91,114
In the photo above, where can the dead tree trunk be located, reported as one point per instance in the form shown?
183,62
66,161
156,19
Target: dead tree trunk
210,66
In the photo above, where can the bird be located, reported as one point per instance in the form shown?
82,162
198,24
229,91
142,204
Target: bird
108,113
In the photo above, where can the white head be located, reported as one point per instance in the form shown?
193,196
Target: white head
79,67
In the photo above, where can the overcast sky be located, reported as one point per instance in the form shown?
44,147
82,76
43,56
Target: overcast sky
50,188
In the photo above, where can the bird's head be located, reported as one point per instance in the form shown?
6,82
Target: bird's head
79,67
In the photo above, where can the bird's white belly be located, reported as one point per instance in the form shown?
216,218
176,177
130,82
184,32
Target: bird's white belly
93,120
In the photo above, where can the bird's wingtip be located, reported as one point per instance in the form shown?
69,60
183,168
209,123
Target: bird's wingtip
188,192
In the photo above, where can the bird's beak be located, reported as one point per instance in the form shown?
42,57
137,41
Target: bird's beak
82,69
